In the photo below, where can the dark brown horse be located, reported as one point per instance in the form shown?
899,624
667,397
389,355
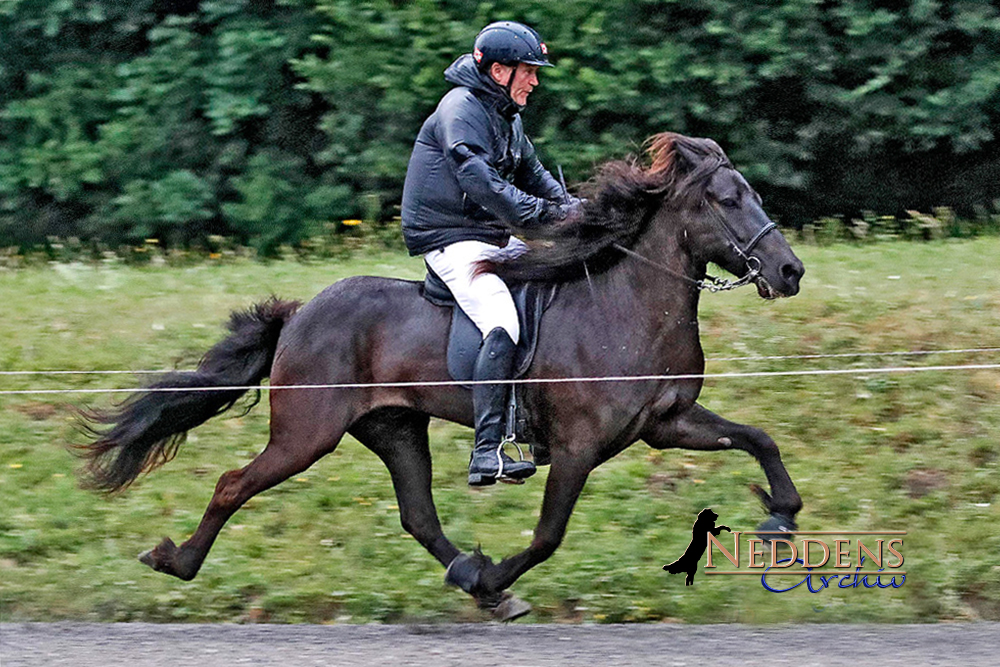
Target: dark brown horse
630,270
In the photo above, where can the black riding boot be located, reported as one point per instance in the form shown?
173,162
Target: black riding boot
495,362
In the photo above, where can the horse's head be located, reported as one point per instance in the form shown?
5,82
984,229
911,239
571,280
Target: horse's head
724,220
694,192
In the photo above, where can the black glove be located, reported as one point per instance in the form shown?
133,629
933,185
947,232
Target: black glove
553,212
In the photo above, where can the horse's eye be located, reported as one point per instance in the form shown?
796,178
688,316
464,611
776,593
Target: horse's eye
729,202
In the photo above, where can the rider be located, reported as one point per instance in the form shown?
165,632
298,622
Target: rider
473,178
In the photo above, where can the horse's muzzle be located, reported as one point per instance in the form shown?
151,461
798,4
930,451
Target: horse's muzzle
784,284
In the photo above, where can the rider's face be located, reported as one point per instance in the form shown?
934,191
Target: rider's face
525,80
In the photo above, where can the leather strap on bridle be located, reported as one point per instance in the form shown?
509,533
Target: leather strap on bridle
714,283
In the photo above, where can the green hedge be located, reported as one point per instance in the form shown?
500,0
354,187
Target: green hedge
267,121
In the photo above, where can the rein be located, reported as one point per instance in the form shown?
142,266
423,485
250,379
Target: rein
709,283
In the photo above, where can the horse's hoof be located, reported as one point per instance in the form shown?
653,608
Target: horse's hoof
160,557
510,608
165,557
146,558
777,527
463,571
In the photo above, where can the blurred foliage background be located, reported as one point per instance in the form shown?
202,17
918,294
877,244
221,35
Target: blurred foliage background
264,121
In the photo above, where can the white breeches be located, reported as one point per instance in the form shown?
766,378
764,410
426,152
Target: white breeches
484,298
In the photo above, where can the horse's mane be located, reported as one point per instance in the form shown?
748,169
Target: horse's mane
622,200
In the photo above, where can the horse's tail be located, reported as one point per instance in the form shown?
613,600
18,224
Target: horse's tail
147,429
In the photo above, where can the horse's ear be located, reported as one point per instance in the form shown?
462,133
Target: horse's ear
672,154
687,157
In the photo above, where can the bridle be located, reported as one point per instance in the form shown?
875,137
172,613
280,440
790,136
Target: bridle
742,252
713,283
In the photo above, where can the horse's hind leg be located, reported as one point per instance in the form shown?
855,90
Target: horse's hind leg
295,444
399,437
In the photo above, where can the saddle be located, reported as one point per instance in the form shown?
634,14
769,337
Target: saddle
464,340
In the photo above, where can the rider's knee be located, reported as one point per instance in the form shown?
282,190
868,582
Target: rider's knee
513,330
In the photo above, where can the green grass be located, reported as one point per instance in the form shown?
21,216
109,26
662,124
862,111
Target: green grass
871,452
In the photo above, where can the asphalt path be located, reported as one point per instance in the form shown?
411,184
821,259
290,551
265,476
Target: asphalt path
478,645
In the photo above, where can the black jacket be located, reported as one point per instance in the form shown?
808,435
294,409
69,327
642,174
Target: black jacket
473,173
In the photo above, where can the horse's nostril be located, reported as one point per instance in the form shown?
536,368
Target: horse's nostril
792,272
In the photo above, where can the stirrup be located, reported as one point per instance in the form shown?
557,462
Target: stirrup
503,463
501,477
509,440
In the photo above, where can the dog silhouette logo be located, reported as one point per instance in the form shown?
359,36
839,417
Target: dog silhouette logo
703,525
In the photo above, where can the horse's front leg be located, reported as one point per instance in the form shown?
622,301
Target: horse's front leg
486,581
702,429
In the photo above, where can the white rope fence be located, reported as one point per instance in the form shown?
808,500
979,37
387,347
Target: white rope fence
842,355
849,355
457,383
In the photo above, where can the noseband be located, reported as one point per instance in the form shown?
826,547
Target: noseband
742,252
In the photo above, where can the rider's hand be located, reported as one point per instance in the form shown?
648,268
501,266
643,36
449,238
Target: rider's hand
553,212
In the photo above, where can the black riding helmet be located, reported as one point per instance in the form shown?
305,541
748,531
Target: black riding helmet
509,43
